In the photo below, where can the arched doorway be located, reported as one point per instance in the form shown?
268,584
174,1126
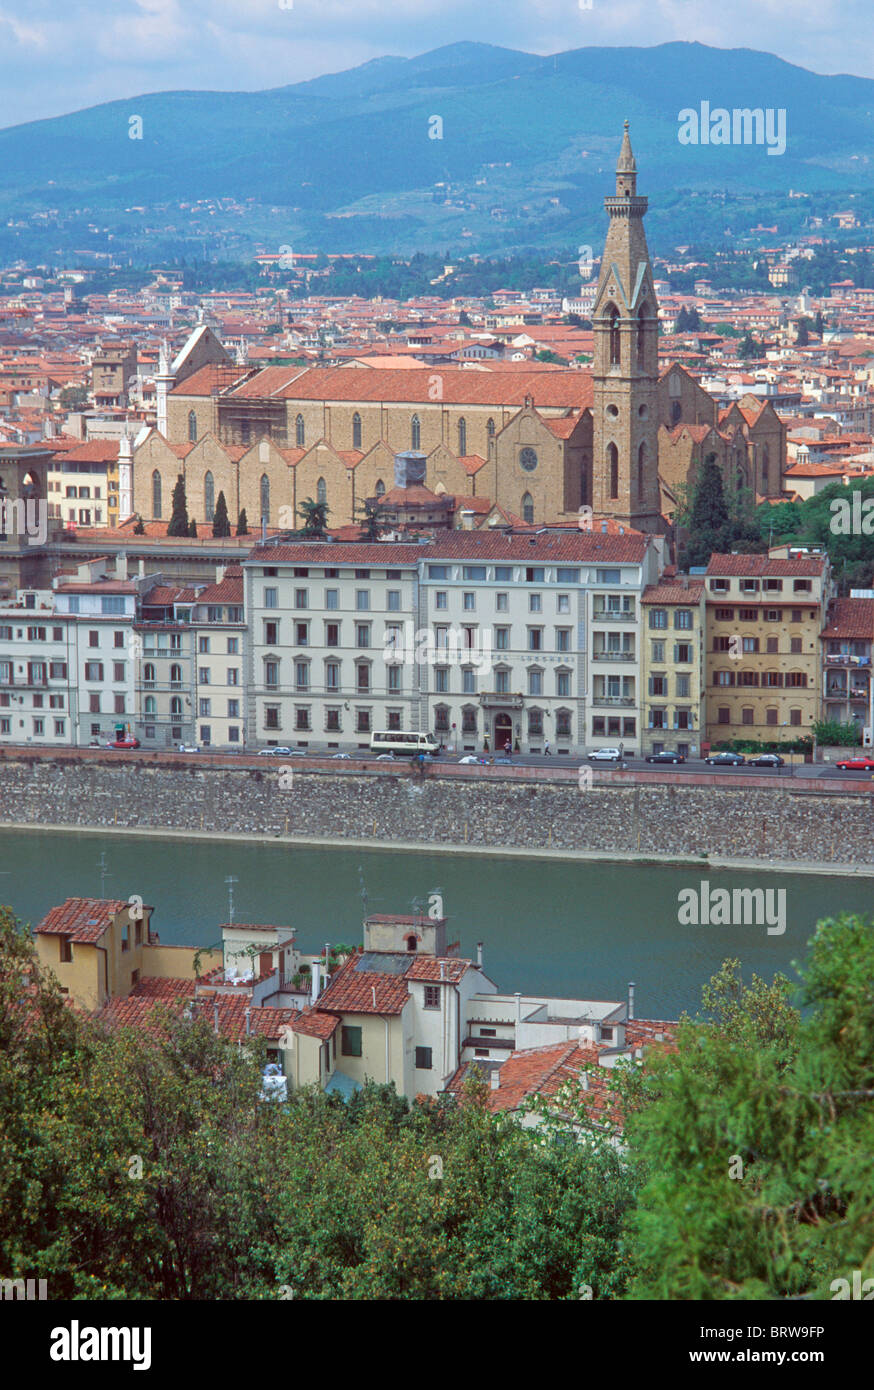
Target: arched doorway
503,731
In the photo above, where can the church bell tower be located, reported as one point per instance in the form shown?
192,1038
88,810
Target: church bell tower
625,321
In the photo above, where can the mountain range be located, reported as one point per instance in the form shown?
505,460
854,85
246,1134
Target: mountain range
522,153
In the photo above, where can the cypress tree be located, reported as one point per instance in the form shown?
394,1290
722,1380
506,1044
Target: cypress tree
221,526
178,525
192,529
242,524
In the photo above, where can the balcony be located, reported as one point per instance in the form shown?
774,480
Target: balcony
610,615
847,659
610,700
614,656
493,699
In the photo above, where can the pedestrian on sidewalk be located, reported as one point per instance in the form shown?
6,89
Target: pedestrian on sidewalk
546,752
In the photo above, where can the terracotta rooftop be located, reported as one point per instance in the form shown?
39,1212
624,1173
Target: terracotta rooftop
81,919
852,618
750,566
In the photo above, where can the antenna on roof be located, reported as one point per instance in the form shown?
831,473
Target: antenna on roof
104,870
230,881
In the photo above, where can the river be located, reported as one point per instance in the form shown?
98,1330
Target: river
573,928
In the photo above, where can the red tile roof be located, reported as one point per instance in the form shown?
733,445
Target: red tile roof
315,1023
674,592
81,919
749,566
364,991
561,389
851,617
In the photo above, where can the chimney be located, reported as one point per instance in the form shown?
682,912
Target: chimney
248,1013
315,982
443,969
479,955
518,1008
219,573
604,527
215,1015
467,517
495,1078
631,988
121,565
584,1080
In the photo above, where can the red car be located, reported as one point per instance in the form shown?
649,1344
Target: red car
860,764
124,743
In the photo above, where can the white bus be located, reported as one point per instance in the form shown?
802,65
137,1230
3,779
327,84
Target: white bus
403,745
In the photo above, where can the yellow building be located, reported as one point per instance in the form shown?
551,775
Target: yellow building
672,666
102,948
764,619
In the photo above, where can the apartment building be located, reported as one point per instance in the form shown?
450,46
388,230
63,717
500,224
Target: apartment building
764,620
483,638
319,615
672,668
83,484
163,655
99,613
38,660
221,642
847,648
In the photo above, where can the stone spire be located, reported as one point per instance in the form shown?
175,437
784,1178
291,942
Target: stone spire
626,169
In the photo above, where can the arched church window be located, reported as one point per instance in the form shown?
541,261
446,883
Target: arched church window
613,329
208,497
462,437
380,488
613,469
528,508
641,333
490,427
415,433
265,497
299,432
156,495
356,431
192,427
766,469
676,412
321,491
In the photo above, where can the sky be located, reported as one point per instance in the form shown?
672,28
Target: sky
61,57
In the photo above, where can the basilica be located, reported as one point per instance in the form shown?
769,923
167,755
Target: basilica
620,437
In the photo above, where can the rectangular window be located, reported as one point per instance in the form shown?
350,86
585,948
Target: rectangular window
332,599
432,996
562,639
271,634
363,679
332,675
440,598
203,675
204,709
302,720
362,634
93,638
350,1041
535,603
535,639
94,670
563,685
394,600
233,646
203,644
271,597
332,721
233,676
502,603
118,670
423,1059
441,679
302,675
725,615
474,574
683,618
233,709
301,634
301,598
658,617
362,600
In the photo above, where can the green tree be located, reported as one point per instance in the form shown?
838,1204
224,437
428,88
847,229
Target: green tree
753,1139
315,515
708,519
178,523
192,529
73,397
242,524
221,526
139,529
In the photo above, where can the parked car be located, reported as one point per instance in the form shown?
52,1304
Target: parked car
470,759
385,758
123,743
861,763
726,760
274,752
187,748
345,757
508,762
767,760
665,757
605,755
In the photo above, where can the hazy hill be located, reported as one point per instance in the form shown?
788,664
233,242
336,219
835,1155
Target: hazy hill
518,130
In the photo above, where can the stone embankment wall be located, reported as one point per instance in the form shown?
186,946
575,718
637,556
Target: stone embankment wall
777,820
